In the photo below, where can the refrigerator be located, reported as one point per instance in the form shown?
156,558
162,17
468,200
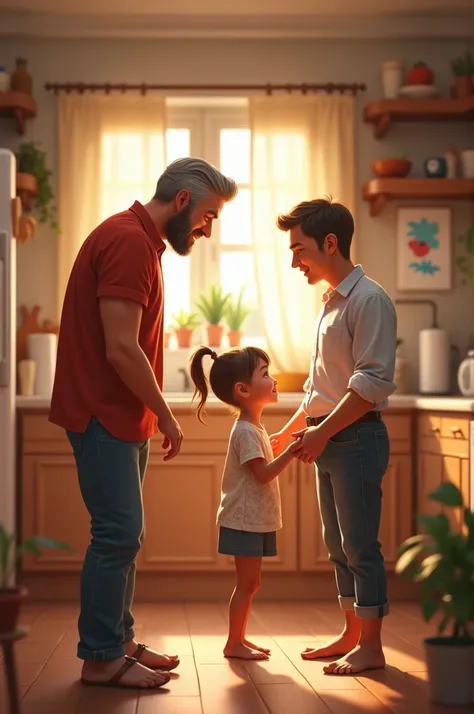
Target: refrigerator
7,341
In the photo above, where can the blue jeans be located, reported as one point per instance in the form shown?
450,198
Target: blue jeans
349,477
111,474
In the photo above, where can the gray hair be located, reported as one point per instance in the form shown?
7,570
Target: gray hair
196,176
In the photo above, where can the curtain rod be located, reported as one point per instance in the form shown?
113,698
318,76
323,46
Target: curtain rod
328,88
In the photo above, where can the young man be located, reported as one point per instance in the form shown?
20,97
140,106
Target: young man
107,396
351,377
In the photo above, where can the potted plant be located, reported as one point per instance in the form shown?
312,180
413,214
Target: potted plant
10,553
213,309
442,562
186,323
34,180
463,70
236,314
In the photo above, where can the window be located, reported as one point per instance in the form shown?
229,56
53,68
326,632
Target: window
219,134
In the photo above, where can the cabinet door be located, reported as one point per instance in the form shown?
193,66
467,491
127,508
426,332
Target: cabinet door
181,499
52,506
396,523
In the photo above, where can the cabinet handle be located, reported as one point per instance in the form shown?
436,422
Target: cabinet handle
455,430
435,429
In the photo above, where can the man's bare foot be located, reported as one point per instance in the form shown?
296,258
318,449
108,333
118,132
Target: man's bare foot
136,676
256,647
337,647
150,658
243,652
360,659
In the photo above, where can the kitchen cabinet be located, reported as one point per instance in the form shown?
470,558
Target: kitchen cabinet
443,455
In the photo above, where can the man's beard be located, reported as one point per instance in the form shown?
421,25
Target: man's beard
178,231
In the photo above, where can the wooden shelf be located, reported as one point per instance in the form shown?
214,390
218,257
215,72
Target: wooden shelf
382,112
19,106
379,191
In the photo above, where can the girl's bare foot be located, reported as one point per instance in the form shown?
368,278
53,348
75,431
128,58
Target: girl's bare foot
136,676
243,652
256,647
360,659
337,647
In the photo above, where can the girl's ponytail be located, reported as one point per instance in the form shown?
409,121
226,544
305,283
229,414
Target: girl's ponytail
201,386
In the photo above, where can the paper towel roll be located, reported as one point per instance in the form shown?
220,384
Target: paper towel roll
42,348
435,358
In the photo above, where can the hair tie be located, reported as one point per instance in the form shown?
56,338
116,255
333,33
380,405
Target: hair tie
213,355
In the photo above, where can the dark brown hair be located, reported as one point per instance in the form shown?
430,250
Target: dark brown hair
228,368
318,218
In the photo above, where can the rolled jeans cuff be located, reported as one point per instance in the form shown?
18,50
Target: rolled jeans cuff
372,612
346,603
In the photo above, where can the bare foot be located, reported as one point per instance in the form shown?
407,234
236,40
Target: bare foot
136,676
243,652
256,647
360,659
150,658
337,647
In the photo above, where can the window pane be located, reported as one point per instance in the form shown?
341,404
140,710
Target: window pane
235,228
177,144
176,277
236,271
235,154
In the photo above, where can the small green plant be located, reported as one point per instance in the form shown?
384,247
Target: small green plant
213,307
236,313
442,562
32,160
463,66
186,320
465,263
11,552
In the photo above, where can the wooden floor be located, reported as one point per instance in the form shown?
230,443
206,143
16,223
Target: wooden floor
206,683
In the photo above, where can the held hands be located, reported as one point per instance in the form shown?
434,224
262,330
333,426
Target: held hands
310,443
278,442
171,430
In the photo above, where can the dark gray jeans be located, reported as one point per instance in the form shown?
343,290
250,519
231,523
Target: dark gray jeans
349,476
111,474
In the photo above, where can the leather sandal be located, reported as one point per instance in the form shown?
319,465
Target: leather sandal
164,667
114,681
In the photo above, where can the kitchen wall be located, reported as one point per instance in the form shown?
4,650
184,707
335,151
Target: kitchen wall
180,61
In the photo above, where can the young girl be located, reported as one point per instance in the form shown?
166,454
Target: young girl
250,511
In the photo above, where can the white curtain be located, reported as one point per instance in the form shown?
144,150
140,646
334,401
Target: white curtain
302,148
83,121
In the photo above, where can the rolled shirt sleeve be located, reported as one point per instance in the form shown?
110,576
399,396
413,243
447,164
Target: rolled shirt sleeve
373,348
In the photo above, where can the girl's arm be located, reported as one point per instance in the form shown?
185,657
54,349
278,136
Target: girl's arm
265,472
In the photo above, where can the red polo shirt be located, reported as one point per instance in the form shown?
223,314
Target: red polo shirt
120,258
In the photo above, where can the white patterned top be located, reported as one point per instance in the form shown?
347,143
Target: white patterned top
246,504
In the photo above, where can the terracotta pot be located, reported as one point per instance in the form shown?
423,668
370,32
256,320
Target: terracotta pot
391,167
450,665
166,340
214,335
463,87
21,79
26,190
234,338
10,602
184,336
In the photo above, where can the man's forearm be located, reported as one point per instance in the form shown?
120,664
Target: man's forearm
296,423
350,408
134,369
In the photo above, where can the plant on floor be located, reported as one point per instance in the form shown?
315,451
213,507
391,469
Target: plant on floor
441,561
10,553
32,160
236,314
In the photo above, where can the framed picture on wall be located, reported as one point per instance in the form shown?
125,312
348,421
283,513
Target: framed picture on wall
424,249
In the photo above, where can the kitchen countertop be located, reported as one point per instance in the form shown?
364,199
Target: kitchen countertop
290,400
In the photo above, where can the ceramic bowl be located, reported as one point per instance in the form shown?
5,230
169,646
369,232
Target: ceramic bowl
391,167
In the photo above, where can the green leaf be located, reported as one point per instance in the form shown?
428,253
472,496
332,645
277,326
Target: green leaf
437,526
429,607
407,558
443,624
448,494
